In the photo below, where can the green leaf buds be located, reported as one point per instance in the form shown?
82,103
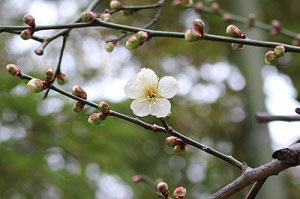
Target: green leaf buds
109,46
61,79
279,51
192,35
95,119
180,150
13,69
26,34
186,2
234,31
36,85
78,107
87,16
104,107
273,57
105,17
115,4
142,36
29,20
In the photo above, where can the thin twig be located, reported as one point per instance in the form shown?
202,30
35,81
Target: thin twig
265,117
136,8
255,189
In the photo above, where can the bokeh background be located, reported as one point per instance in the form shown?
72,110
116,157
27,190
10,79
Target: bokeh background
48,151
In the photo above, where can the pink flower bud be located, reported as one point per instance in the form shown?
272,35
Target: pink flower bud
180,150
13,69
133,42
172,141
78,107
29,20
36,85
79,92
162,188
235,46
279,51
227,18
233,31
276,27
199,25
87,16
61,79
179,193
115,4
192,35
176,2
252,19
142,36
26,34
105,17
215,7
137,179
109,46
95,119
104,107
199,5
270,58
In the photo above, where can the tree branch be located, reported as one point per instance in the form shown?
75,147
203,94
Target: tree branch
136,8
265,117
255,189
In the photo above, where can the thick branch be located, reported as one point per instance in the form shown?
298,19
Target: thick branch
265,117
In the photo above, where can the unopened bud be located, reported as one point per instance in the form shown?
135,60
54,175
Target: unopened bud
199,25
227,18
78,107
133,42
35,85
13,69
163,188
79,92
172,141
49,74
176,2
29,20
26,34
105,17
115,4
192,35
87,16
235,46
279,51
137,179
252,19
142,36
270,58
233,31
95,119
109,46
180,150
215,7
104,107
276,27
61,79
186,2
199,5
179,193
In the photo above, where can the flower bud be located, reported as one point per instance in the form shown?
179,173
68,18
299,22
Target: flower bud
13,69
105,17
179,193
133,42
163,188
104,107
279,51
109,46
297,110
215,7
87,16
49,74
79,92
252,19
180,150
227,18
61,79
176,2
29,20
192,35
199,5
199,25
172,141
26,34
186,2
137,179
127,12
115,4
95,119
233,31
35,85
142,36
78,107
276,27
270,58
235,46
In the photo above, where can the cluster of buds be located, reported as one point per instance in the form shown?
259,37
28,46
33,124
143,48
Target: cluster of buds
27,33
14,70
49,76
227,18
180,147
235,32
251,20
79,92
87,16
196,33
276,27
109,46
163,189
215,7
115,4
105,17
137,40
273,57
97,118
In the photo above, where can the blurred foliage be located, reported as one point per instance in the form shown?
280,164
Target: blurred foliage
55,153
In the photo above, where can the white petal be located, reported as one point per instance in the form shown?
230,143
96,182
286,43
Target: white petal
140,107
147,77
168,87
161,108
133,89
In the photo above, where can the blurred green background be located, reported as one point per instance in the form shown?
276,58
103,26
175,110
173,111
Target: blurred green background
48,151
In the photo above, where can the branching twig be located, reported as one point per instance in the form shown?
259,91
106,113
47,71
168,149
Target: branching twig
255,189
265,117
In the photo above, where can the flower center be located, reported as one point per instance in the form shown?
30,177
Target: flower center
151,93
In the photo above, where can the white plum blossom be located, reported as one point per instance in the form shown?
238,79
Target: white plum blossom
150,94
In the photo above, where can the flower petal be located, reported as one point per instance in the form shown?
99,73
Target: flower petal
133,89
147,77
168,87
140,107
161,108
